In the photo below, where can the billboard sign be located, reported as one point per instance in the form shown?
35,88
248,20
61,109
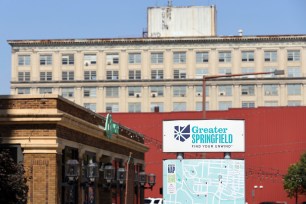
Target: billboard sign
203,136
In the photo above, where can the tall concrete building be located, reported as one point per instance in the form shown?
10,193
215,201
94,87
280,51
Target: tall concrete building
164,68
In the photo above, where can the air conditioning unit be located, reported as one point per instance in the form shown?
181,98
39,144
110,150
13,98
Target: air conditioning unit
137,95
87,63
267,93
182,95
114,77
222,93
109,63
245,93
153,94
199,94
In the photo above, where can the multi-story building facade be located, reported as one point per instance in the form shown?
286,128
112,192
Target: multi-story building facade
164,68
138,74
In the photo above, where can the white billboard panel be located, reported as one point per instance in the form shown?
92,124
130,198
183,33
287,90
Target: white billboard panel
204,136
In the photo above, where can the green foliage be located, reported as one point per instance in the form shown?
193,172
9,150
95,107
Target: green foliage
13,188
295,179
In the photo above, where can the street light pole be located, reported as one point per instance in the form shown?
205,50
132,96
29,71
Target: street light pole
206,78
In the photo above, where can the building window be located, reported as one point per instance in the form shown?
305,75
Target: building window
90,92
90,75
247,70
271,103
112,107
271,90
68,92
45,90
248,104
68,75
68,59
179,74
200,72
179,57
199,106
45,59
24,76
247,56
112,59
201,57
225,90
157,74
45,76
112,92
23,90
294,72
134,107
157,58
225,105
157,106
134,91
179,91
247,90
270,56
134,58
224,71
90,59
24,60
294,89
156,91
199,90
269,69
225,56
179,106
134,74
90,106
112,75
294,103
293,55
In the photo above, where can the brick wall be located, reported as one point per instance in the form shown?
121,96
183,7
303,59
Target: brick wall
31,103
42,174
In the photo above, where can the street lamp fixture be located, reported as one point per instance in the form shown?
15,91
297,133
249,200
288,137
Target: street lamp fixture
121,175
92,171
206,78
143,178
72,170
151,180
109,173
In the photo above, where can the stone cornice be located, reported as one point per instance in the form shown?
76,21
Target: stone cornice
53,116
161,40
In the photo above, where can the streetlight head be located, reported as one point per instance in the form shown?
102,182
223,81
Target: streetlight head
72,169
92,171
121,175
142,178
109,173
279,72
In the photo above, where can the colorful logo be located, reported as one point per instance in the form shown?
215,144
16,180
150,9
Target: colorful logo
181,133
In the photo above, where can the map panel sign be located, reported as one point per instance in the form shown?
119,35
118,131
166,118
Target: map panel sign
205,181
203,136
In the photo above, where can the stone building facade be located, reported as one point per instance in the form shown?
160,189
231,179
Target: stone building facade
139,74
46,131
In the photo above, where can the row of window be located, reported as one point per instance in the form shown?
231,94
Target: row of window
178,91
158,58
156,74
182,106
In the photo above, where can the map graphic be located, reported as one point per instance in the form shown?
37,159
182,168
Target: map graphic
204,181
